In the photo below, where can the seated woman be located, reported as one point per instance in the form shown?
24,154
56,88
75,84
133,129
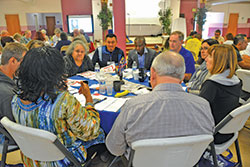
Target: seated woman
201,72
222,88
76,59
42,102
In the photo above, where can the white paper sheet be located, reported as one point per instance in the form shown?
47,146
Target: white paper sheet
111,104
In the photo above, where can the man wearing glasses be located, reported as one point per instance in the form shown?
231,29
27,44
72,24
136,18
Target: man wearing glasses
142,55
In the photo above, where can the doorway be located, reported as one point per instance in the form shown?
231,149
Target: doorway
13,24
51,24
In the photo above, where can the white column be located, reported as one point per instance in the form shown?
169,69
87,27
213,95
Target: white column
96,8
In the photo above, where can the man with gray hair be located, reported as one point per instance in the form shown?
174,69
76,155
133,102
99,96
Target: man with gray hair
240,43
167,111
11,58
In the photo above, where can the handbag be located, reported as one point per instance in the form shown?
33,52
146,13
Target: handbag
223,161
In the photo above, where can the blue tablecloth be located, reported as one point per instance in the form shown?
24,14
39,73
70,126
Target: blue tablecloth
107,118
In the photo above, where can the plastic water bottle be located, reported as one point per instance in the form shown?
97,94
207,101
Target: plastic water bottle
134,66
97,67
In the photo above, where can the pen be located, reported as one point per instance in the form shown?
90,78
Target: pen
100,100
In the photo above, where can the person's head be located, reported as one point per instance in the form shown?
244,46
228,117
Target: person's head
27,34
6,39
17,37
140,43
167,67
4,33
192,33
63,36
44,31
35,44
76,32
198,36
240,41
12,56
39,36
220,58
229,36
217,34
205,45
57,32
41,74
81,31
111,42
77,50
175,41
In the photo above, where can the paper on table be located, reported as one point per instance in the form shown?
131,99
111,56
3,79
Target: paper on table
80,98
111,104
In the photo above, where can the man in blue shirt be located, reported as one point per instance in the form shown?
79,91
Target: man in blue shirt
142,55
175,44
108,53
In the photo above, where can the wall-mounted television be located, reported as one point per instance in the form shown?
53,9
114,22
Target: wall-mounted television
84,22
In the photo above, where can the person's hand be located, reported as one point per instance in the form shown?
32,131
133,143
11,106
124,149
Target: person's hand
84,89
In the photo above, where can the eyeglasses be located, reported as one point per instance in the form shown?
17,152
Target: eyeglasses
79,51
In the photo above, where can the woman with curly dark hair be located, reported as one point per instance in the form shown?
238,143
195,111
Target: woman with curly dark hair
43,102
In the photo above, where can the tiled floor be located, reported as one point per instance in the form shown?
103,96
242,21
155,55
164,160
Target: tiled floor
244,142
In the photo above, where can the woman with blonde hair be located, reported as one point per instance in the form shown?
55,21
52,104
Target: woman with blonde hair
222,88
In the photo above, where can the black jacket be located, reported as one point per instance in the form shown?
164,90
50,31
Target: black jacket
223,99
7,87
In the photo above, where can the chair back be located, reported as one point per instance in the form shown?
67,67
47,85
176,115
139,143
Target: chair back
234,121
170,152
36,144
244,75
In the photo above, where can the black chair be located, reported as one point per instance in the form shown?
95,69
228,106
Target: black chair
9,145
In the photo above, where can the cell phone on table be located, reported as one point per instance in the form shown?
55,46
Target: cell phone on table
87,82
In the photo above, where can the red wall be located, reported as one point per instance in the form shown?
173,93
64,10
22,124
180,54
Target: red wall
75,7
186,8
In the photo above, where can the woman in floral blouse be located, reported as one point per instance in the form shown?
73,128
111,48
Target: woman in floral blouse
42,102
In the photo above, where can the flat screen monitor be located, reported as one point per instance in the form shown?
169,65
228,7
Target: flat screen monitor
84,22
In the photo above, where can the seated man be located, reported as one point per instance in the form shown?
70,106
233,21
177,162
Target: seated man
141,54
11,58
10,61
175,44
108,53
218,37
168,111
240,43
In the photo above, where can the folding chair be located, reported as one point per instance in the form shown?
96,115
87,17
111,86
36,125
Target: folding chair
9,145
232,123
169,152
38,144
244,75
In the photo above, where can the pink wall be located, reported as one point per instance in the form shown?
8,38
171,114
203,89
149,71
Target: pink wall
186,8
120,23
75,7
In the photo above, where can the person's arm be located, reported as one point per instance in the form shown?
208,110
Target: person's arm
95,57
130,60
244,64
190,67
115,141
83,122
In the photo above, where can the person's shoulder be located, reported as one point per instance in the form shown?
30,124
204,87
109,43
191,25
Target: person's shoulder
151,50
132,52
185,52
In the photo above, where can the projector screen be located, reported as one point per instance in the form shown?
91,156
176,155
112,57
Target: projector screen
84,22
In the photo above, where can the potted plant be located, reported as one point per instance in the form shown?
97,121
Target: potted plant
200,17
105,16
165,20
